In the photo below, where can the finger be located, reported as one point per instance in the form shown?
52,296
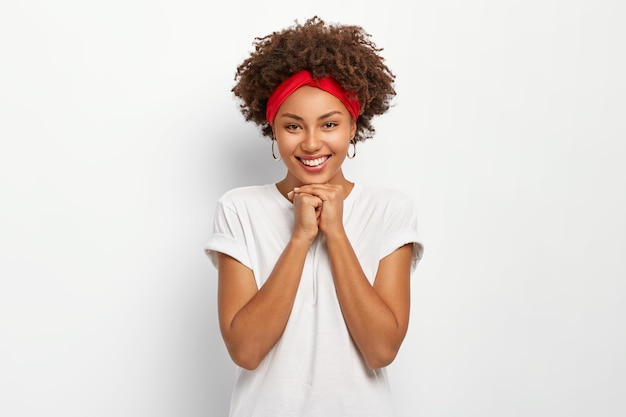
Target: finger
309,199
324,191
312,200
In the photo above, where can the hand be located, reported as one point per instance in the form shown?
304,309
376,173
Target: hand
329,198
307,210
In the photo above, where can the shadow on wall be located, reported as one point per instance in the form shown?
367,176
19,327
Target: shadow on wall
238,158
247,159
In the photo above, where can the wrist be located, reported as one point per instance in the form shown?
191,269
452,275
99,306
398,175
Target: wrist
300,241
336,234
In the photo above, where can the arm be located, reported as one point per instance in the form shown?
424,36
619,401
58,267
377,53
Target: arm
376,315
252,320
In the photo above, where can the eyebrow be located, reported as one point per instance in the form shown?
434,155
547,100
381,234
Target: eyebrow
323,116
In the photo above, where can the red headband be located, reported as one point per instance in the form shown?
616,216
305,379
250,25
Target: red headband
302,78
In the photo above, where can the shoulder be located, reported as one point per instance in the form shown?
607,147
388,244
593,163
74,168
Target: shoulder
254,200
242,195
383,197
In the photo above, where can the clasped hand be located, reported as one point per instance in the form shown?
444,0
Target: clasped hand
317,207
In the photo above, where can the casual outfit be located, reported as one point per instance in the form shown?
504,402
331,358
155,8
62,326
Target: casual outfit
315,369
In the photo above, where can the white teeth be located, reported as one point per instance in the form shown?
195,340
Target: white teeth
314,162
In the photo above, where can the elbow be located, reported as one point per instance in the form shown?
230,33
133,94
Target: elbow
380,358
247,360
243,352
248,365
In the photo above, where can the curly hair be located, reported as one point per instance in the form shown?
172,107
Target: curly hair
343,52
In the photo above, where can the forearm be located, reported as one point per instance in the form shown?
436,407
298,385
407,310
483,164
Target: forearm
258,325
376,331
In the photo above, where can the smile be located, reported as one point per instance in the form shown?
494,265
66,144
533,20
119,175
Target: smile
314,162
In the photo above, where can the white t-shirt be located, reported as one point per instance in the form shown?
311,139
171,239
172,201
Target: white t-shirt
314,370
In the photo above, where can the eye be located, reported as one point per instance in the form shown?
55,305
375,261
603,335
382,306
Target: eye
292,126
330,125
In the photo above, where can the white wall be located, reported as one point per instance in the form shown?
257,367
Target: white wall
118,133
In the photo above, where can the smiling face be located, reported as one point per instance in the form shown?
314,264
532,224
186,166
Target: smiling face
313,130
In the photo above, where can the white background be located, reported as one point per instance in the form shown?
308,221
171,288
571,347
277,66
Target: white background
118,133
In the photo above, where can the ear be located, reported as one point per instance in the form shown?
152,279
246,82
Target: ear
352,129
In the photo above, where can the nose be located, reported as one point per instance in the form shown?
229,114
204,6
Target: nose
311,142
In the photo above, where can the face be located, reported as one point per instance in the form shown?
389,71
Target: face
313,130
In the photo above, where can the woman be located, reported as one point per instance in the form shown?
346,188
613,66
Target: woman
314,271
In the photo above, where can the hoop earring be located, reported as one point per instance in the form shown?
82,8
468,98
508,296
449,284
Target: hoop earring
273,152
353,143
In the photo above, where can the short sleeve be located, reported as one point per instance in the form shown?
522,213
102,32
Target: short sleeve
401,229
228,236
